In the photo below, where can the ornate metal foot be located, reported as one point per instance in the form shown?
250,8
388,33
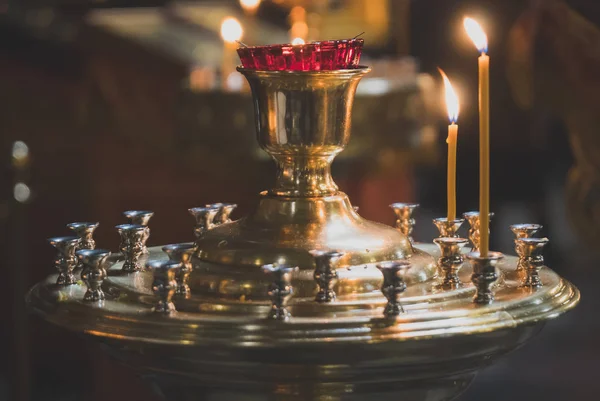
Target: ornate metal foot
132,245
280,290
65,261
204,217
533,261
404,220
523,231
393,285
447,228
94,272
181,253
474,235
164,284
484,275
223,213
451,260
325,274
142,218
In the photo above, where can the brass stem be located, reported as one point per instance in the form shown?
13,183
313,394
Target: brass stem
304,176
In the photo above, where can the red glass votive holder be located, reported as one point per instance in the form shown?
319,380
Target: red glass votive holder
314,56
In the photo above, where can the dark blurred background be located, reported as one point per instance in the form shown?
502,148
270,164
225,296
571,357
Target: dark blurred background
122,104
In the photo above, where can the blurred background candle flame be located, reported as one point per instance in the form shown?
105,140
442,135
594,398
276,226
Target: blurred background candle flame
231,30
250,6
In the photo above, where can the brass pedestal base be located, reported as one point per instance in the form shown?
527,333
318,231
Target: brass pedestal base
285,230
408,373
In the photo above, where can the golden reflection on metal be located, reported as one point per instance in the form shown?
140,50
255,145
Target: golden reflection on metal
303,122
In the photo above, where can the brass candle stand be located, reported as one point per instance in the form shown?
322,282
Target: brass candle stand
303,299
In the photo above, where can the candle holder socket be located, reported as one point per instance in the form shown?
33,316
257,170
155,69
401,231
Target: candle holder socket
523,231
142,218
405,222
164,284
393,285
533,260
132,245
484,275
181,253
85,232
325,274
448,229
95,263
65,260
474,227
224,211
450,261
204,217
280,290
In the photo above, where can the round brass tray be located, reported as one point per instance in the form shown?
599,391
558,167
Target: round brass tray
352,318
346,347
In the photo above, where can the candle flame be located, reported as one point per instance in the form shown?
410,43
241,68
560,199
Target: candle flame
250,5
231,30
298,41
477,35
452,103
